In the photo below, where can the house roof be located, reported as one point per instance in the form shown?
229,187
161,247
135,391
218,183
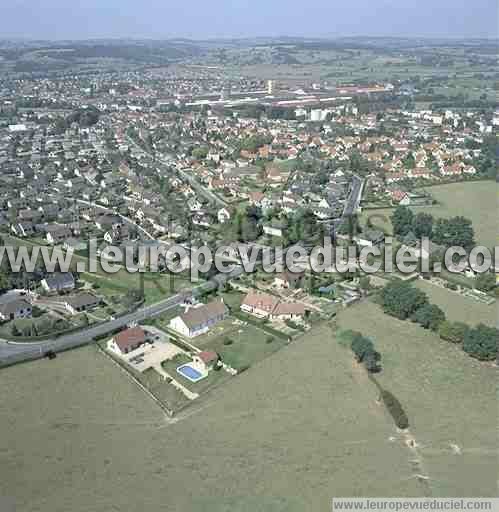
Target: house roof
12,306
290,277
194,317
208,356
289,308
262,301
60,279
81,300
130,338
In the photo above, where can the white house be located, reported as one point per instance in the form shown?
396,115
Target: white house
128,340
198,320
223,215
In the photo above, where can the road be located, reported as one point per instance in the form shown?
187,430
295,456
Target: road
11,352
353,202
193,182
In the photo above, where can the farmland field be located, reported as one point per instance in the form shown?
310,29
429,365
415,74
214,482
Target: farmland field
443,392
287,435
458,308
477,200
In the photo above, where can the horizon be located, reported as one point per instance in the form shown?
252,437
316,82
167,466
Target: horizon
214,39
239,19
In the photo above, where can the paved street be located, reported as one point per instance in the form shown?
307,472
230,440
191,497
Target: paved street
16,352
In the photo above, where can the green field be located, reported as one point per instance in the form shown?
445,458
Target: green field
477,200
450,399
157,286
458,308
250,345
287,435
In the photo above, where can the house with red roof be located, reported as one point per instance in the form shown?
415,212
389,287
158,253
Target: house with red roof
128,340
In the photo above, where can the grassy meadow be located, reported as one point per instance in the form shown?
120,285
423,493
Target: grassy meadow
287,435
477,200
449,398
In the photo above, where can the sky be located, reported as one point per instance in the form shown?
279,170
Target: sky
200,19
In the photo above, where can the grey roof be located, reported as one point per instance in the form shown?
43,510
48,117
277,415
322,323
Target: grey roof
203,314
60,280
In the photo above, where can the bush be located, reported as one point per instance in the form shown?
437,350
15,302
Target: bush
429,316
486,282
269,340
453,331
481,342
36,312
228,341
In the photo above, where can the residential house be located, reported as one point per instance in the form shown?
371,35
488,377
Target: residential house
57,233
23,229
59,282
128,340
198,320
80,303
223,215
14,307
288,311
275,228
207,360
289,279
259,304
370,237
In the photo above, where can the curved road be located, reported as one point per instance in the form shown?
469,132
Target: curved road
16,352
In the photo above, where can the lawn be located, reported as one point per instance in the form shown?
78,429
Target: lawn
449,399
214,378
248,345
475,200
157,287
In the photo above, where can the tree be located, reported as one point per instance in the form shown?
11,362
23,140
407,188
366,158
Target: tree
371,361
452,331
485,282
429,316
481,342
361,346
402,220
423,225
363,349
400,299
457,231
395,409
200,153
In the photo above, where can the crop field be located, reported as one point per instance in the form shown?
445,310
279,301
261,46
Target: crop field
477,200
287,435
443,392
345,67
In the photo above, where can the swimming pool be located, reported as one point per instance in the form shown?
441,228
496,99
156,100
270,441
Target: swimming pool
190,373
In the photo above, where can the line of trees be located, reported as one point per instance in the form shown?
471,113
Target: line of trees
403,301
456,231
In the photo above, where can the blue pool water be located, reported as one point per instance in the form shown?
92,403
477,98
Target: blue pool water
190,373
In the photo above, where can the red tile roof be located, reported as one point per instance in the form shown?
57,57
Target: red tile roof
130,338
